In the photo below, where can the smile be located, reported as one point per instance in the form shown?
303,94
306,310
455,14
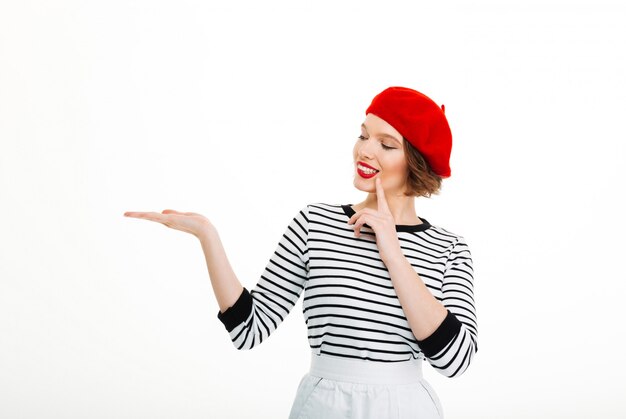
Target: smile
366,172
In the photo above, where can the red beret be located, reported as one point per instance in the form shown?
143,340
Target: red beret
420,120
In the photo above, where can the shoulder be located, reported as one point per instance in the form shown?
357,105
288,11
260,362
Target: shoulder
446,236
323,208
324,212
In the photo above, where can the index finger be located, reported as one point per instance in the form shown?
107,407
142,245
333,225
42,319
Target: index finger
380,196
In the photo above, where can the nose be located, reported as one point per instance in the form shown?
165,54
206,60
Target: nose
365,150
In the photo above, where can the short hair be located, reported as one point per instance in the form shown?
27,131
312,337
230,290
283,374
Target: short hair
420,180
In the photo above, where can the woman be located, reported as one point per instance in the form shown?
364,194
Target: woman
383,288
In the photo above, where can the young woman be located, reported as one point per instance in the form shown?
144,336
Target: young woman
383,288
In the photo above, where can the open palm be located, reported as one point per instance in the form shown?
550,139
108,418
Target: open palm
189,222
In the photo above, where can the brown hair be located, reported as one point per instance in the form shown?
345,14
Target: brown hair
420,180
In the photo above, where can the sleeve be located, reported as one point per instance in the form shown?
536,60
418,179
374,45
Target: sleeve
256,314
452,346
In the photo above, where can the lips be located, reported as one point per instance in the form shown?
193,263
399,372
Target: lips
367,165
365,170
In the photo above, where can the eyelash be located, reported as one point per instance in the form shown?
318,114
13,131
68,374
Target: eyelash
384,146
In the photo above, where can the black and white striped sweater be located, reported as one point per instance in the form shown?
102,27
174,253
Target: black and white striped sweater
350,306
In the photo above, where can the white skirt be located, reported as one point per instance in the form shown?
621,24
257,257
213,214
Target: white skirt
338,388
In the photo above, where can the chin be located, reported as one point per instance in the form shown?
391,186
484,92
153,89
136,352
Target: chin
364,185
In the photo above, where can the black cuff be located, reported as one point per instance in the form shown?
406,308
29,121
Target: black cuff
441,337
238,312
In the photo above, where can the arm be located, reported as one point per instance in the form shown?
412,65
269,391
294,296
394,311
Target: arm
226,286
445,331
253,316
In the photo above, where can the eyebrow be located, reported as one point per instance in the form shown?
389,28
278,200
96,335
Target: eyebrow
383,135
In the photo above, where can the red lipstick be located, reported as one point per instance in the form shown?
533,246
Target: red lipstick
365,175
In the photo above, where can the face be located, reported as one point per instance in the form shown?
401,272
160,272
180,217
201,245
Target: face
380,147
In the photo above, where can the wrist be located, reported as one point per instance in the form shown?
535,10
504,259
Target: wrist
207,234
394,258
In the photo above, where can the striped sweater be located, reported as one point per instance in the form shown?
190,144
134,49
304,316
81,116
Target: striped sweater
350,306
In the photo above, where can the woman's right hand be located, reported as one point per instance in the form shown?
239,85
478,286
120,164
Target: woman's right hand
189,222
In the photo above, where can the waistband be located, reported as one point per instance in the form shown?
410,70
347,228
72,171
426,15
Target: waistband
366,372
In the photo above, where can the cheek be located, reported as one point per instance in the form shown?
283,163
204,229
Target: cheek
396,166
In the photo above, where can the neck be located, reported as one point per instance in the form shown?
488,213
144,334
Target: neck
402,207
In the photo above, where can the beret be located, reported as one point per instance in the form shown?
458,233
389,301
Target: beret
420,120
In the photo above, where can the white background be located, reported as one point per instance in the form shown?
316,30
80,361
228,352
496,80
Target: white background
246,113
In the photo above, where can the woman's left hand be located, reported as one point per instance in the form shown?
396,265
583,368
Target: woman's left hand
382,222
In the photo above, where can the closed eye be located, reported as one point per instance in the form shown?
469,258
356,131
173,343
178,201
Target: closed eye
385,147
